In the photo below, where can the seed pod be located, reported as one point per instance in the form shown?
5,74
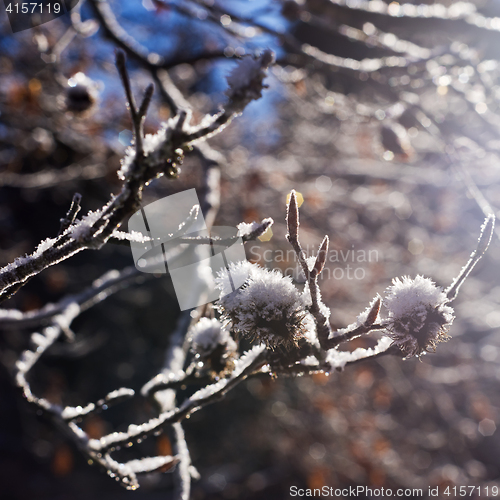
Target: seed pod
419,315
213,346
267,308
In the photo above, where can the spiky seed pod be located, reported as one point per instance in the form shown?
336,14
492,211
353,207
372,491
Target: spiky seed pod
81,94
419,315
246,79
267,308
213,347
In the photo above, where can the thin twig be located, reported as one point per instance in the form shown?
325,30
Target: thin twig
482,245
72,213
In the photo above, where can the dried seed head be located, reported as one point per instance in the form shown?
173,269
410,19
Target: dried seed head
213,346
267,308
246,79
419,315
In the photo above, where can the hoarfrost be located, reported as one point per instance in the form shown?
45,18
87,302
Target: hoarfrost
207,334
240,366
338,359
20,261
407,295
248,71
134,236
309,361
268,307
146,464
419,315
122,393
13,314
245,228
81,229
72,412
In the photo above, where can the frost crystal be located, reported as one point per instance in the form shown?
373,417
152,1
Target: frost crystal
21,261
81,228
267,308
244,228
419,316
134,236
151,143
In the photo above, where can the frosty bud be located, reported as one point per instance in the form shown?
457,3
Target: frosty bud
246,79
292,218
419,315
213,346
81,94
267,308
321,257
372,316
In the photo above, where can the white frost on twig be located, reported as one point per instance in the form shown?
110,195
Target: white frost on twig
134,236
121,393
338,359
246,228
151,144
12,314
240,366
146,464
80,229
72,412
21,261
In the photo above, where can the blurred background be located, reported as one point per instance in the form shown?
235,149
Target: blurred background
385,117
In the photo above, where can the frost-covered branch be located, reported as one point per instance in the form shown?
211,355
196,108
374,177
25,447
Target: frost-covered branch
482,245
161,153
317,308
109,283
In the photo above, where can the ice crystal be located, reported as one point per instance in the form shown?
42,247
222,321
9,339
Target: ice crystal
82,228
